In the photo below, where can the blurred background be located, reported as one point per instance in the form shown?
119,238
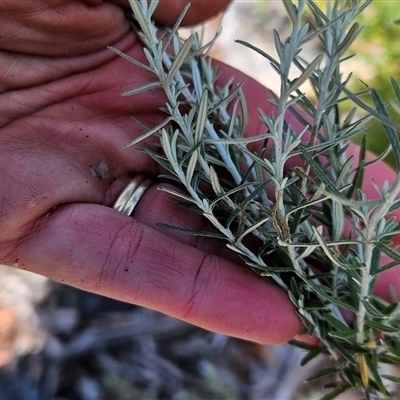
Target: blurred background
57,342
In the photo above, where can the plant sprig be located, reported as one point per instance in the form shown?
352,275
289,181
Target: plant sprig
305,247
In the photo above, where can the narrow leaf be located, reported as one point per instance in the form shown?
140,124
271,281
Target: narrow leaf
354,97
218,190
389,359
151,8
359,175
290,9
237,141
167,147
371,309
319,172
303,345
259,51
391,133
180,59
252,228
296,83
343,335
348,355
381,327
177,194
349,39
149,133
174,30
234,248
201,117
376,375
374,267
393,254
311,355
163,161
140,89
396,88
336,392
390,309
323,373
363,369
130,59
339,325
214,235
191,167
140,18
392,378
337,220
326,297
229,193
269,271
326,250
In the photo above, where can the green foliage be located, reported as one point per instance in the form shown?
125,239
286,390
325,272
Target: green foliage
304,245
378,55
378,46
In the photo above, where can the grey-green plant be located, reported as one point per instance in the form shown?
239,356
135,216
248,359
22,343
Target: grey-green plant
298,215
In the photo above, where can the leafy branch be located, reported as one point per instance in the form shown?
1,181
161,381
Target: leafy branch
299,214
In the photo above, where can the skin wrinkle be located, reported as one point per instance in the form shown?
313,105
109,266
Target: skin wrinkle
105,22
132,245
72,257
68,136
216,246
5,71
15,250
53,99
93,95
67,66
111,149
149,269
195,290
59,68
174,215
39,172
9,202
10,110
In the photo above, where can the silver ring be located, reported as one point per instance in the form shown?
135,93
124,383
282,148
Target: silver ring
131,195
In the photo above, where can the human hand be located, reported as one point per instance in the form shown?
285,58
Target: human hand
63,128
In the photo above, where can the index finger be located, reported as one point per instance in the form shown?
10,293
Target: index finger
100,250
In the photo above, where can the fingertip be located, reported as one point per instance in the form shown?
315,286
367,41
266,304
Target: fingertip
100,250
243,305
199,11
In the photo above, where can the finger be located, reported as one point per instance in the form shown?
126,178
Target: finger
62,28
157,208
168,11
96,91
79,27
21,71
103,251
